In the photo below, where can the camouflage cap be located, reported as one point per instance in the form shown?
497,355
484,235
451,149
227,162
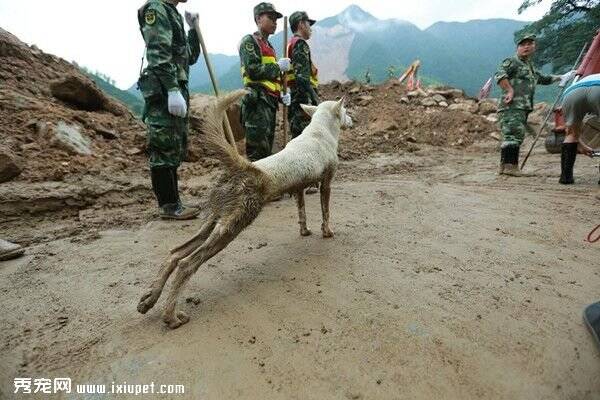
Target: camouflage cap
266,8
298,16
525,36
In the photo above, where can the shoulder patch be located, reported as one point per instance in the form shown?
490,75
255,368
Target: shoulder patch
506,63
249,47
150,17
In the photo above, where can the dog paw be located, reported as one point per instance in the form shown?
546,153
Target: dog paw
327,233
148,301
305,232
175,321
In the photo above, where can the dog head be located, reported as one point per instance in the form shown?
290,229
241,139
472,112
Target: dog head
334,108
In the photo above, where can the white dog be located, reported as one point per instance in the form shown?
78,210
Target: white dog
246,187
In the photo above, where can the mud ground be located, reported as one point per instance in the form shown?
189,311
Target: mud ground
443,281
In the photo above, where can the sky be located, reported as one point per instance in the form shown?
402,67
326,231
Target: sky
104,35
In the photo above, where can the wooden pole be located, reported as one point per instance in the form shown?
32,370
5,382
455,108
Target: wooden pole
213,79
285,55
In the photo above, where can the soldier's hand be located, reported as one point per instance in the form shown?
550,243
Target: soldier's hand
284,64
177,105
191,18
286,99
508,97
565,78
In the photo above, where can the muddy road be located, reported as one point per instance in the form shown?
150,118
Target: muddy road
443,281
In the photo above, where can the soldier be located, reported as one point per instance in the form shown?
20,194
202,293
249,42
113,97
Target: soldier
303,77
261,74
580,99
517,77
164,85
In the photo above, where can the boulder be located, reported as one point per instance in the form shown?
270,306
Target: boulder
487,107
83,94
354,90
459,107
428,102
438,98
448,93
365,100
69,138
10,165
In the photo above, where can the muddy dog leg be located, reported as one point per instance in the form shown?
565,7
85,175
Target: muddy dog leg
220,237
325,195
304,231
150,298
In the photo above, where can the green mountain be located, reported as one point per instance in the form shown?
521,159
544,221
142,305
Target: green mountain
135,103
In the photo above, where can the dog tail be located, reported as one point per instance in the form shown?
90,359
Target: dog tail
215,134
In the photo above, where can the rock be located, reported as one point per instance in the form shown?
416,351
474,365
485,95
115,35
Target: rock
428,102
133,151
365,100
496,136
391,127
404,100
106,133
416,93
443,104
438,98
83,94
492,117
69,138
449,93
354,90
10,165
31,147
470,107
487,107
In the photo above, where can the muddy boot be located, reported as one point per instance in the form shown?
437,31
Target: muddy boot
175,178
178,211
312,189
567,162
511,166
503,162
9,250
163,186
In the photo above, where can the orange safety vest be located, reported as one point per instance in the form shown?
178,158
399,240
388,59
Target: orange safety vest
268,56
291,75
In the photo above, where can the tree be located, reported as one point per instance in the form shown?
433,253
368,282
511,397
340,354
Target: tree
563,31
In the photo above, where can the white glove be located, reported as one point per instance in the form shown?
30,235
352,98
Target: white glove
191,18
177,106
286,99
565,78
284,64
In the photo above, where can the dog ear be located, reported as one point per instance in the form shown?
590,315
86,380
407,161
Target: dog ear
310,110
337,108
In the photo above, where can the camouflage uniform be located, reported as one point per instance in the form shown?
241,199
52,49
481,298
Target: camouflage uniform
169,53
263,79
523,77
302,79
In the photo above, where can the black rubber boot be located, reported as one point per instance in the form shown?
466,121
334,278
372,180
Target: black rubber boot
511,166
591,316
163,186
567,162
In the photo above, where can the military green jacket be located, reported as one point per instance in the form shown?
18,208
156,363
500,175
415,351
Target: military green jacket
303,91
522,76
253,67
169,51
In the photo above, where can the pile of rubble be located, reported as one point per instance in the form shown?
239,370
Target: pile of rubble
391,119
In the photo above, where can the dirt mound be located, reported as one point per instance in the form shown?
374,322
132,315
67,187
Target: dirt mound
391,119
47,105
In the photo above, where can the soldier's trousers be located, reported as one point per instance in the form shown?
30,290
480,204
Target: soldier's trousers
258,119
513,124
298,119
167,135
